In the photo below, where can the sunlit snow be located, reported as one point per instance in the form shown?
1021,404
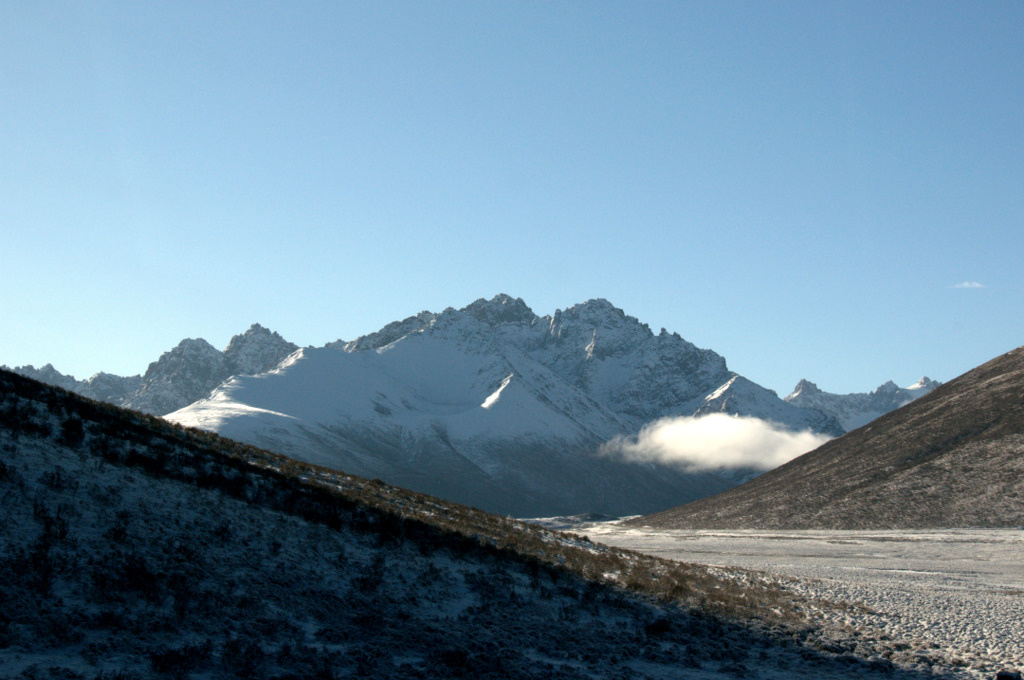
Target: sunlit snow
493,398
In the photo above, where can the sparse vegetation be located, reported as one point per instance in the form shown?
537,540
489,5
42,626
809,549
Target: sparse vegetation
149,550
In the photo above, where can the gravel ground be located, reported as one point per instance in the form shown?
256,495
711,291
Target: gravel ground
958,593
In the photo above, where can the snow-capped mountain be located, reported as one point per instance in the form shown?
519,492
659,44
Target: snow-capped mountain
856,410
179,377
494,406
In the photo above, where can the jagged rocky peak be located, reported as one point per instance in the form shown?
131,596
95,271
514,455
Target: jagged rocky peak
855,410
887,388
501,309
189,353
597,327
803,388
111,388
257,350
925,384
599,311
179,377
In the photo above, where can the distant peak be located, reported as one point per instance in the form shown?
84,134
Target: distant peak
925,383
887,387
804,387
257,350
256,331
193,344
602,305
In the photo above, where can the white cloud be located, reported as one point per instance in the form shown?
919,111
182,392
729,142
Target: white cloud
969,284
714,441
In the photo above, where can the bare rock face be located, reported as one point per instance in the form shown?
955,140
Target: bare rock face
256,351
179,377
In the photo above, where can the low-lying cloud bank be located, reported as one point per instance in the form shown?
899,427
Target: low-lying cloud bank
714,441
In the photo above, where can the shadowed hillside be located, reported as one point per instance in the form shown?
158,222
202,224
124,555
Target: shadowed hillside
133,548
954,458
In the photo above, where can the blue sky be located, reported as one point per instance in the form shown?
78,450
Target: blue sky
803,187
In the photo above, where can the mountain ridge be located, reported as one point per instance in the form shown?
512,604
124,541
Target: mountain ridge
857,409
183,374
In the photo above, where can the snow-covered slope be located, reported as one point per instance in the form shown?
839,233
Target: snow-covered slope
494,406
859,409
742,397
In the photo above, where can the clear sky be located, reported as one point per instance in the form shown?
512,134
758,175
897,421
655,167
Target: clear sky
821,190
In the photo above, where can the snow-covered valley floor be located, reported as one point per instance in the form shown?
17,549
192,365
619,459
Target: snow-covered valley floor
958,592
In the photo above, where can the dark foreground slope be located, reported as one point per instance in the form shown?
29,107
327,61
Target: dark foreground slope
954,458
133,549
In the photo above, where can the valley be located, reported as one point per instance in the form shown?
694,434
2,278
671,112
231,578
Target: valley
951,597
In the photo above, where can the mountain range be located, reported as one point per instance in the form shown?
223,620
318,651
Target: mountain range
856,410
953,458
490,405
180,376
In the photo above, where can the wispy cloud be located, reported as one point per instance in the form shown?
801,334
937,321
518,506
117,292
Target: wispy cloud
969,284
715,441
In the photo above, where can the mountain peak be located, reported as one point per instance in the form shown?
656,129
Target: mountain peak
925,383
855,410
599,313
500,309
803,388
189,347
255,351
598,306
601,303
886,388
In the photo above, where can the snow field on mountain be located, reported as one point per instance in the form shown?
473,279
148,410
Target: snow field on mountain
955,594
